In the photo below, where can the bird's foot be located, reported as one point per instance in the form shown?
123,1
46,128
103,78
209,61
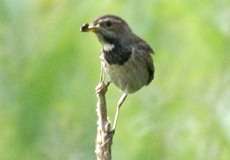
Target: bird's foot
112,131
102,87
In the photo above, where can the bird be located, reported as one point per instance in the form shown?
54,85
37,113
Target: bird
126,59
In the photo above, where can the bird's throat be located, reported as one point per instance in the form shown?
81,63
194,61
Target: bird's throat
108,47
116,54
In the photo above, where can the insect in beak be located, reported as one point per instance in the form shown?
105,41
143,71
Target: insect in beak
89,27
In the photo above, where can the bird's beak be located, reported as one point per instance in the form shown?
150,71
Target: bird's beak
89,27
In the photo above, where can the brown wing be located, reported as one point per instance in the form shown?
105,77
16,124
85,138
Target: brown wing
145,51
150,67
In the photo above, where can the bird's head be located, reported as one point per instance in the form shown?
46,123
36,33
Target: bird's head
108,28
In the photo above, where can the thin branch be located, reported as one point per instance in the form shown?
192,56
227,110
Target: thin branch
104,134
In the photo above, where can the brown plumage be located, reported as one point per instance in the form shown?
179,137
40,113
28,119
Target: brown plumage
126,58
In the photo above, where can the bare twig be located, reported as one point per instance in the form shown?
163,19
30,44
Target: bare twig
104,133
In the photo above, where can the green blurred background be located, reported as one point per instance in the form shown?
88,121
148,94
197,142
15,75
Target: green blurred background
48,72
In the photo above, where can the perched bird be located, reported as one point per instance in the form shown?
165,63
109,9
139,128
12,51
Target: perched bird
126,58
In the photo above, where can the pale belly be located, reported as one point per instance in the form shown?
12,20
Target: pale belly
129,77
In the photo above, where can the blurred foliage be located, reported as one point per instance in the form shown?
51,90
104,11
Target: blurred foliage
48,71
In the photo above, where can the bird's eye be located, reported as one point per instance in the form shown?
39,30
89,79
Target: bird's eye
108,24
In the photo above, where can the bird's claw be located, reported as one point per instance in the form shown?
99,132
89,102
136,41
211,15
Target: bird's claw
112,131
102,87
